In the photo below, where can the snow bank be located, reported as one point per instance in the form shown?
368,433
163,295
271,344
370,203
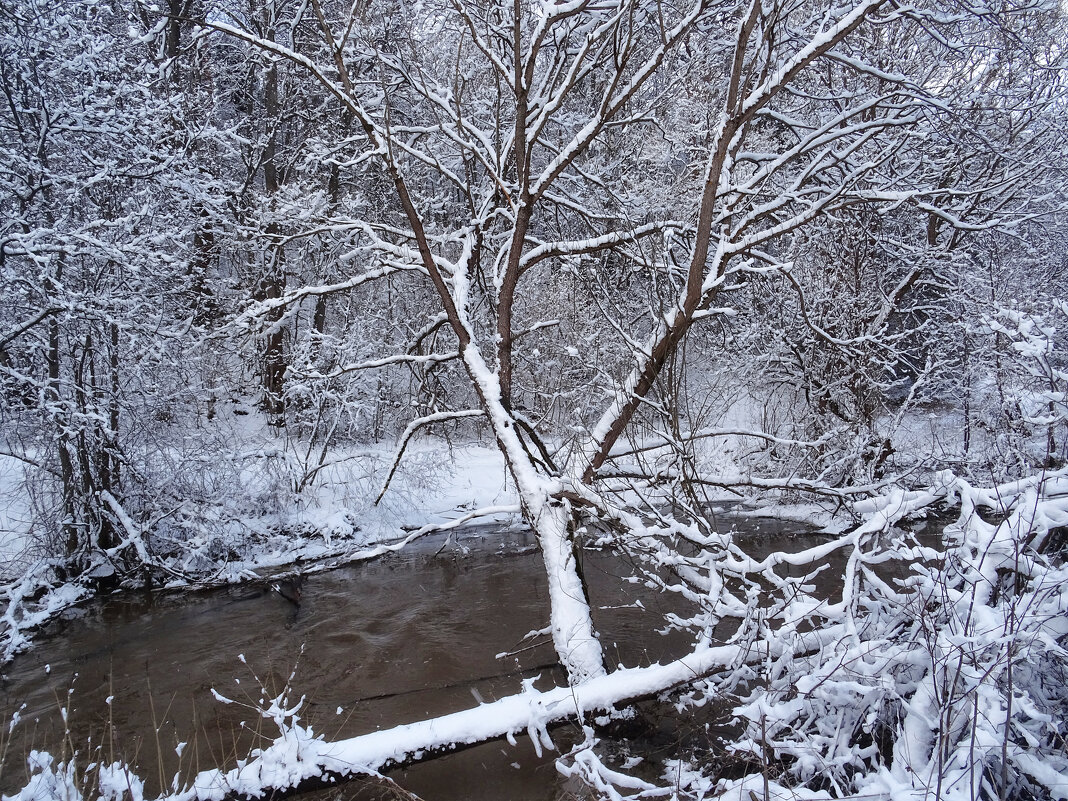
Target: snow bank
266,525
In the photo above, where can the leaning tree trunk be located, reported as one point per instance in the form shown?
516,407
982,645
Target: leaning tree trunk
549,514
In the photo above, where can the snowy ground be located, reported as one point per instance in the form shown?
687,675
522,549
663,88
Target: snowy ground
435,485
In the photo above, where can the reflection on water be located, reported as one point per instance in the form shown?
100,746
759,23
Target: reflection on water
395,640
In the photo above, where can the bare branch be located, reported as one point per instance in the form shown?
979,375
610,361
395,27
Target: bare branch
414,426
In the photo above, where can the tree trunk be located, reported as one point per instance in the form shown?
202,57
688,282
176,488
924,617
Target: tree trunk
273,281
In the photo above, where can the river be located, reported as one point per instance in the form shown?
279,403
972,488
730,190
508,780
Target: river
372,644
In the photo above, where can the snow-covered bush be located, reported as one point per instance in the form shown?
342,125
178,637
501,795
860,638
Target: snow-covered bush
945,681
1031,393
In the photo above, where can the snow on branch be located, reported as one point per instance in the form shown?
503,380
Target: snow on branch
262,308
384,548
582,246
710,433
20,329
820,44
409,432
298,756
385,361
616,96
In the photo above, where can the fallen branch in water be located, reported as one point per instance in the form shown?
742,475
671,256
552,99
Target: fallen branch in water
298,759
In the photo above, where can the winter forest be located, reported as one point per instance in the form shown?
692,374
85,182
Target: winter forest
294,287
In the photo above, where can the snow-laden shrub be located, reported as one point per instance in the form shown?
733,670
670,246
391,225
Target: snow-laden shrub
948,682
1033,387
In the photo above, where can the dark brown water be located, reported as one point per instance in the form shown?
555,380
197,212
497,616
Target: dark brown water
372,645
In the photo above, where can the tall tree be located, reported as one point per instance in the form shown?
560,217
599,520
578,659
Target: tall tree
93,196
495,145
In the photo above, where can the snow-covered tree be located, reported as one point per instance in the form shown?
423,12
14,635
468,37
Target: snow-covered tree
96,225
501,148
589,226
